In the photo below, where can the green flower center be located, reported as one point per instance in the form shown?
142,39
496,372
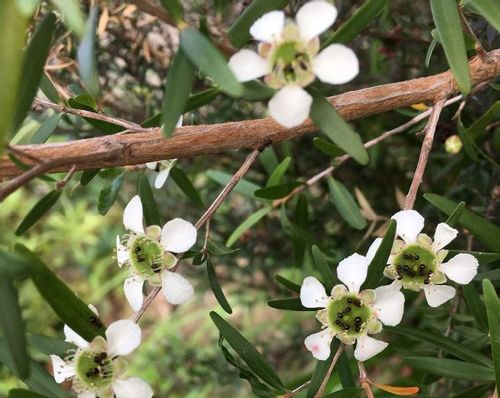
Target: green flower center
415,266
348,315
291,64
94,368
146,256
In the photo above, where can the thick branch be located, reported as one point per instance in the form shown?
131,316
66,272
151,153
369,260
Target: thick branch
203,139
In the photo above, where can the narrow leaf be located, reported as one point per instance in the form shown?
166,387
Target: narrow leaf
482,257
321,370
475,305
278,175
247,224
108,195
40,208
452,368
353,392
455,216
277,191
328,149
86,55
88,176
72,15
287,283
324,268
174,8
269,160
489,10
345,204
49,345
219,249
183,182
216,288
46,129
13,266
151,214
243,187
379,262
48,89
289,304
492,303
20,393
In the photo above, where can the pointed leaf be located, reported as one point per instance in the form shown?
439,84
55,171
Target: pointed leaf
86,54
269,160
455,216
492,303
345,204
72,15
174,8
40,208
247,224
329,277
243,187
452,368
287,283
278,175
216,288
19,393
108,195
151,214
46,129
13,266
489,10
277,191
475,305
379,262
183,182
328,149
289,304
88,176
353,392
49,345
219,249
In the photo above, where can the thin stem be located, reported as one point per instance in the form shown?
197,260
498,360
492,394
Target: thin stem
465,24
336,357
61,184
424,153
364,381
299,389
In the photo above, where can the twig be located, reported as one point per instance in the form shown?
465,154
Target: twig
294,392
363,379
61,184
478,46
336,357
204,219
424,153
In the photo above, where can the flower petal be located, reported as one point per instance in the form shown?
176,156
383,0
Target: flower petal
178,235
152,165
313,293
352,271
438,294
132,215
462,268
389,305
61,369
290,106
121,252
336,64
161,178
74,338
367,347
268,27
176,288
314,17
319,344
248,65
373,249
444,234
132,288
409,224
123,337
134,387
87,394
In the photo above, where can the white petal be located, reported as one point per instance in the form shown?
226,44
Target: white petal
161,178
176,288
74,338
314,17
319,344
409,224
444,234
389,305
121,252
132,215
268,27
290,106
133,292
462,268
93,309
248,65
61,370
133,387
313,293
178,235
123,337
179,121
151,165
367,347
352,271
438,294
336,64
87,394
373,249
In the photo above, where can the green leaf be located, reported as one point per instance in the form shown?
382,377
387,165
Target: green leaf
183,182
269,160
40,208
35,57
483,230
453,347
278,175
489,10
174,8
151,214
351,28
324,268
86,54
48,89
430,51
447,20
482,257
277,191
287,283
197,100
452,368
216,288
13,266
253,358
46,129
321,370
345,372
243,187
455,216
338,131
345,204
474,392
475,305
13,328
68,307
255,90
477,130
210,61
353,392
73,16
239,32
247,224
88,175
179,84
108,195
289,304
87,102
20,393
492,303
379,261
49,345
219,249
328,149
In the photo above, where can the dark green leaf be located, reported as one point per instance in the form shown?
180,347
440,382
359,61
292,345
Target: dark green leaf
492,303
331,123
475,305
183,182
253,358
289,304
345,204
243,187
345,372
49,345
219,249
321,370
327,148
35,57
452,368
210,61
269,160
489,10
88,175
455,216
477,130
469,146
324,268
108,195
46,129
255,90
19,393
379,261
277,191
447,20
482,257
216,288
197,100
48,89
278,175
40,208
247,224
353,392
288,283
86,102
13,328
483,230
239,32
13,266
179,84
474,392
151,214
174,8
492,275
68,307
86,54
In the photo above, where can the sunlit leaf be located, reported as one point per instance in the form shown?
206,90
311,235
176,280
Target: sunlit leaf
345,204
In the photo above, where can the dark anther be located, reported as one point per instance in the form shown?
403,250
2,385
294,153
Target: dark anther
357,328
140,258
399,268
426,281
406,268
349,300
421,272
347,309
137,249
422,266
340,315
407,256
346,327
357,303
400,276
416,257
430,273
337,321
156,266
357,319
92,372
99,358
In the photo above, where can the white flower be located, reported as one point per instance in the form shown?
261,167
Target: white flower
94,367
288,59
416,261
350,314
148,254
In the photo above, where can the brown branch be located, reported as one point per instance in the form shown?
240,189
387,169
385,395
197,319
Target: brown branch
204,139
322,387
424,153
364,381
